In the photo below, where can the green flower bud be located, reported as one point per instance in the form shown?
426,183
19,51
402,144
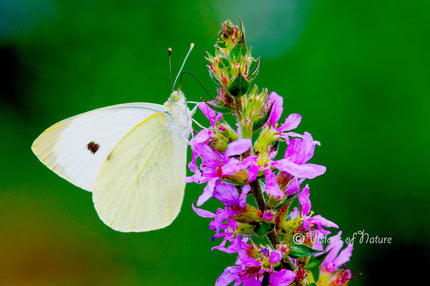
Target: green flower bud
251,214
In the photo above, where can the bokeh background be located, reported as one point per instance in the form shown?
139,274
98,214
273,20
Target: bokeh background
357,71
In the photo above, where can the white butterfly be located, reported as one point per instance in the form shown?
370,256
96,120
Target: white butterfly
131,156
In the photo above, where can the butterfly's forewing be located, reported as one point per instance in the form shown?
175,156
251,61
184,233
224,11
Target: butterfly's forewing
140,186
76,148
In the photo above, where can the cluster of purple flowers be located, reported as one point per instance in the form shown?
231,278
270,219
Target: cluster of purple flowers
233,224
241,162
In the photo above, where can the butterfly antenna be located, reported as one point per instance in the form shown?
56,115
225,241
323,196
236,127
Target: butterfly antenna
170,69
189,51
180,82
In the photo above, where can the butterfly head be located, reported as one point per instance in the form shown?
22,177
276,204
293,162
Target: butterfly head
177,96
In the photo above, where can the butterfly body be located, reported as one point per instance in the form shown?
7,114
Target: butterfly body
131,156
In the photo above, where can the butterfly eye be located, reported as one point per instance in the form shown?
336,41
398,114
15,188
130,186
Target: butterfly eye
174,96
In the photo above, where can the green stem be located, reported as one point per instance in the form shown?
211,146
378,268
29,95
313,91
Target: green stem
272,236
259,199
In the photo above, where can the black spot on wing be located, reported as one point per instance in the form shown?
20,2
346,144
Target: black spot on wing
93,147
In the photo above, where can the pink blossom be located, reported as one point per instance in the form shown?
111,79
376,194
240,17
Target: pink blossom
335,259
304,200
269,215
281,278
210,113
298,152
319,221
276,102
272,187
215,165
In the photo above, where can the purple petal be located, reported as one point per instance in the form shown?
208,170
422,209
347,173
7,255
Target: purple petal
307,171
193,164
207,192
196,178
226,193
203,136
207,154
300,150
238,147
275,256
272,187
202,212
229,275
208,112
281,278
318,219
231,167
292,187
343,257
304,200
334,247
242,200
295,213
253,172
248,161
290,123
276,101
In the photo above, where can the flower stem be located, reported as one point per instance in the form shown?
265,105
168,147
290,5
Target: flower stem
272,236
259,199
258,195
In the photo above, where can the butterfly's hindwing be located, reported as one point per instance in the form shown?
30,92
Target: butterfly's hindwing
141,185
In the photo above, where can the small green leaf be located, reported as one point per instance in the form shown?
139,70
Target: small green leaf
260,122
220,108
254,68
226,63
301,250
240,49
239,86
312,284
315,261
263,229
221,45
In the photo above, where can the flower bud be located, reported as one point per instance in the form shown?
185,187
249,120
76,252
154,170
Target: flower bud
251,214
258,108
221,136
283,179
232,66
244,228
223,102
240,177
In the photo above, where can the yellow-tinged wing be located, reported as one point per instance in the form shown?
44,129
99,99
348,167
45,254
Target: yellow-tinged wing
140,186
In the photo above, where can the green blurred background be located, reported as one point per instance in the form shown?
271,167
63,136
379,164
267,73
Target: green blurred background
357,71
